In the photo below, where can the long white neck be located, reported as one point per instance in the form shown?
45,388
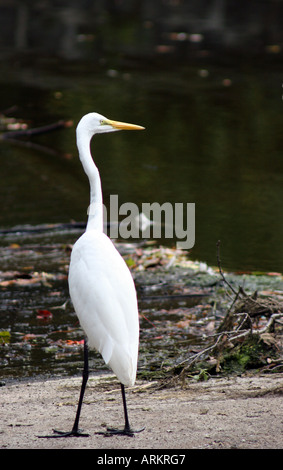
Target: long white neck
95,211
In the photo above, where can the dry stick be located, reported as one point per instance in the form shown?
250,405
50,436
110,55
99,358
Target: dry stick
240,290
238,333
220,269
270,323
243,333
264,309
234,301
246,317
193,358
188,363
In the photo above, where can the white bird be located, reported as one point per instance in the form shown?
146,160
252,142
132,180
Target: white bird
101,286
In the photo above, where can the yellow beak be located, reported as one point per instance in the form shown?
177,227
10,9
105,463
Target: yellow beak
123,125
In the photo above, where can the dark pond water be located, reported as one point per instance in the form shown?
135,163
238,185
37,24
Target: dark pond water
213,137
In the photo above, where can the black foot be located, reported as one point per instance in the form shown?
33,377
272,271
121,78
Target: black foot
127,431
73,433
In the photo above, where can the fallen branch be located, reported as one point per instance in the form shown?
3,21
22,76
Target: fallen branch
228,337
270,324
35,131
232,336
244,303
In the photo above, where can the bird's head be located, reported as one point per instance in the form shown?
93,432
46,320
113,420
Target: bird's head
94,123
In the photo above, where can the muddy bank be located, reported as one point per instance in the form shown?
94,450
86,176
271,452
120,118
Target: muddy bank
181,303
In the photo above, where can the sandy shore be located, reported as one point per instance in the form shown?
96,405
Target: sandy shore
240,412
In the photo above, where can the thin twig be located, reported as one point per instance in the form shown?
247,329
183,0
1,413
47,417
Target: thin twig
193,358
246,318
220,269
234,301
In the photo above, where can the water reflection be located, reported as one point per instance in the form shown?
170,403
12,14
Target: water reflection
214,140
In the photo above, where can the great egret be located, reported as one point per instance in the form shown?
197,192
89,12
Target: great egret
101,286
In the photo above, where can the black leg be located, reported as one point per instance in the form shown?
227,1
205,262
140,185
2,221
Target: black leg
127,424
127,430
75,430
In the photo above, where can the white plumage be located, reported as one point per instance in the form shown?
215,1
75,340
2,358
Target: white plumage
104,297
101,286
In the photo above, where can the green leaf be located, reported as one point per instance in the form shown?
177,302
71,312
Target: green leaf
5,337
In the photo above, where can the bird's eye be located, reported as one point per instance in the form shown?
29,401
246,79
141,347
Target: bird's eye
102,122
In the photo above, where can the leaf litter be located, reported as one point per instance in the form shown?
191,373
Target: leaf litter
182,303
